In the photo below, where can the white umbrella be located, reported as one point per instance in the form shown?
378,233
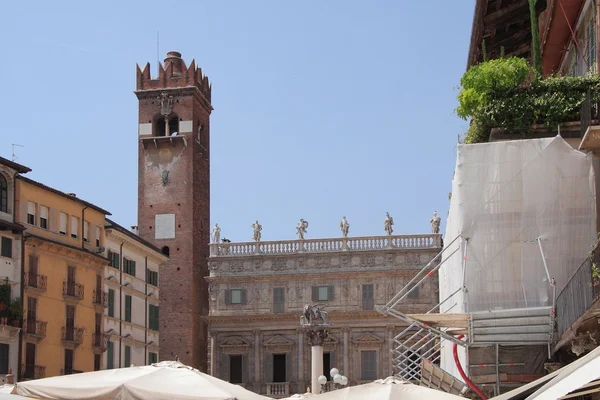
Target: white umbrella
166,380
386,389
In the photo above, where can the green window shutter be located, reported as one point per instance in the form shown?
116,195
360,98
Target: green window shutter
111,302
315,293
127,356
132,268
127,308
110,356
156,278
156,317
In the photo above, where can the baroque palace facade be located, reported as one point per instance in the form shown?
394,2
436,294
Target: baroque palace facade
257,291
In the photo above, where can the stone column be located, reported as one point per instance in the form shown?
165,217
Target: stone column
316,337
213,352
346,350
257,379
301,339
391,344
316,364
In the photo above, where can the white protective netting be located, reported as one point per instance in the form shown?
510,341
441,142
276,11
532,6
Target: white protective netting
505,195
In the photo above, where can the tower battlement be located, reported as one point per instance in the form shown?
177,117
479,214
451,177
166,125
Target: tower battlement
173,73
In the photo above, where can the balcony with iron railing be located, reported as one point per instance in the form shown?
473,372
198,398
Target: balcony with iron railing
580,295
72,336
72,290
36,281
100,341
100,298
30,371
34,329
329,245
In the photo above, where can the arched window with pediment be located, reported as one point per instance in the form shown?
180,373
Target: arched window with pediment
3,194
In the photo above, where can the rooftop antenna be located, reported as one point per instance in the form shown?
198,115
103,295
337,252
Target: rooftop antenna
14,156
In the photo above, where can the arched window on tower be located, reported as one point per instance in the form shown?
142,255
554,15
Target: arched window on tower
3,194
173,126
165,250
160,127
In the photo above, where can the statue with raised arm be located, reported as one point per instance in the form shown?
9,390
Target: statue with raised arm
301,228
435,223
216,234
387,224
345,227
257,230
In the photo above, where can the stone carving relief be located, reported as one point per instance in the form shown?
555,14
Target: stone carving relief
367,339
213,266
367,260
236,266
412,259
323,262
278,343
279,264
234,344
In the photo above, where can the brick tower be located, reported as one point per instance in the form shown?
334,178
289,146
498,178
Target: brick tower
174,199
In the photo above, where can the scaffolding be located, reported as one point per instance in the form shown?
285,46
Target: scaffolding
522,219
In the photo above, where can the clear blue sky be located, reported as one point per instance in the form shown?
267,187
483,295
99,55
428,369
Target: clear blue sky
322,108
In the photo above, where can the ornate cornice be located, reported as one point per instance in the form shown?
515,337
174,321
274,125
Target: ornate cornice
315,275
73,254
249,316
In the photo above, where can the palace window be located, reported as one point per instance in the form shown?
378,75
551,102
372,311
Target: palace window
235,296
44,217
152,358
86,229
63,224
68,361
152,277
127,310
129,267
114,259
127,356
6,250
153,321
74,227
3,194
98,233
322,293
368,365
368,301
235,369
111,302
278,300
110,356
31,213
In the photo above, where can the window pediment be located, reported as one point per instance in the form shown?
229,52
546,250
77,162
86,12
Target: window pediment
234,344
367,339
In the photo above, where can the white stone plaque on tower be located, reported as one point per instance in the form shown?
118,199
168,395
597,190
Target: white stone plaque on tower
164,226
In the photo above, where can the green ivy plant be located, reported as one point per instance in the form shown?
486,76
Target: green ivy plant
505,93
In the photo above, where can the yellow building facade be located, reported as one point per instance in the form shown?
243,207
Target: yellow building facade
63,297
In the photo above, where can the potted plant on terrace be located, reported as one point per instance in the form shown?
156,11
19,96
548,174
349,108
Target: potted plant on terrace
16,312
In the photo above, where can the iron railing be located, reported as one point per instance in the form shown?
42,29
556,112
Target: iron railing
100,298
72,334
100,340
580,293
36,281
72,289
35,328
30,371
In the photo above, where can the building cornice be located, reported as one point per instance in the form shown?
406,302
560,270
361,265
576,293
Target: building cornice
135,245
294,317
312,275
75,253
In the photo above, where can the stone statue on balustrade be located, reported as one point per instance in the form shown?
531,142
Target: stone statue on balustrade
257,231
216,234
301,228
388,223
345,227
314,315
435,223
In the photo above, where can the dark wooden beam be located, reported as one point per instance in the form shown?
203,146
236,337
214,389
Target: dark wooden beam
495,16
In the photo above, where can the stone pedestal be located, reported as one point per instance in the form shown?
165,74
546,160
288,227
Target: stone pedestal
316,354
316,337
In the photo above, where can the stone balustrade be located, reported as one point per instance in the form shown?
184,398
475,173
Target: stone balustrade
330,245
